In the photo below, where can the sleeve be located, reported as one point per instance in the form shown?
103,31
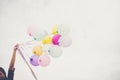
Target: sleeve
11,74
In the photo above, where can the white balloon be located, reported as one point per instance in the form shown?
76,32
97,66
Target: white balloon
46,48
65,41
39,34
63,29
55,51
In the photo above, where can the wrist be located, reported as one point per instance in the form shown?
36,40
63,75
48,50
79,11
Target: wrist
14,50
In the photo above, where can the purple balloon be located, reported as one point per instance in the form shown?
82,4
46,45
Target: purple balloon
55,39
34,60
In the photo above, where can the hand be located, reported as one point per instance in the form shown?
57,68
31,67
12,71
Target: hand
16,47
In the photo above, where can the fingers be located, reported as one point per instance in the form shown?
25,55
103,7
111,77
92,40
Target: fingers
16,46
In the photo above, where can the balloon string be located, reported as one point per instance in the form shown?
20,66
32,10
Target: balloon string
28,42
32,42
27,64
25,52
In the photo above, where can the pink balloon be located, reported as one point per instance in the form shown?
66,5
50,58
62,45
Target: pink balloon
44,60
55,39
65,41
31,30
34,60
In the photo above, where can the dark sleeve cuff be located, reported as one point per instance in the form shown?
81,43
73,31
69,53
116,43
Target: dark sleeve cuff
11,74
11,71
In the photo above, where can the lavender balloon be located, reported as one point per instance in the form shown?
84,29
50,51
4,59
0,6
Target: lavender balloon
34,60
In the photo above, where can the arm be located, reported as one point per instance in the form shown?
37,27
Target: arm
11,67
12,62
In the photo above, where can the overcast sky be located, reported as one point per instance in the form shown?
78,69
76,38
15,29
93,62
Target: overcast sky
95,32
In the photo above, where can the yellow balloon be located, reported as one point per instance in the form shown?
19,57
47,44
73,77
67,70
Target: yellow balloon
44,41
38,50
54,30
47,40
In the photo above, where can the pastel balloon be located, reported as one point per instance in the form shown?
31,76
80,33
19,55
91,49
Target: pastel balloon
44,60
34,60
55,39
31,30
55,51
47,40
37,50
54,29
46,48
39,34
65,41
63,30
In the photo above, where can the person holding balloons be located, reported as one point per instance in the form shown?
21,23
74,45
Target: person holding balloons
11,69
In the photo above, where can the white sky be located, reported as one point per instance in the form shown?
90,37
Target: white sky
95,25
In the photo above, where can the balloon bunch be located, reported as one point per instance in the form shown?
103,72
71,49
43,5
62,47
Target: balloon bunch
49,44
